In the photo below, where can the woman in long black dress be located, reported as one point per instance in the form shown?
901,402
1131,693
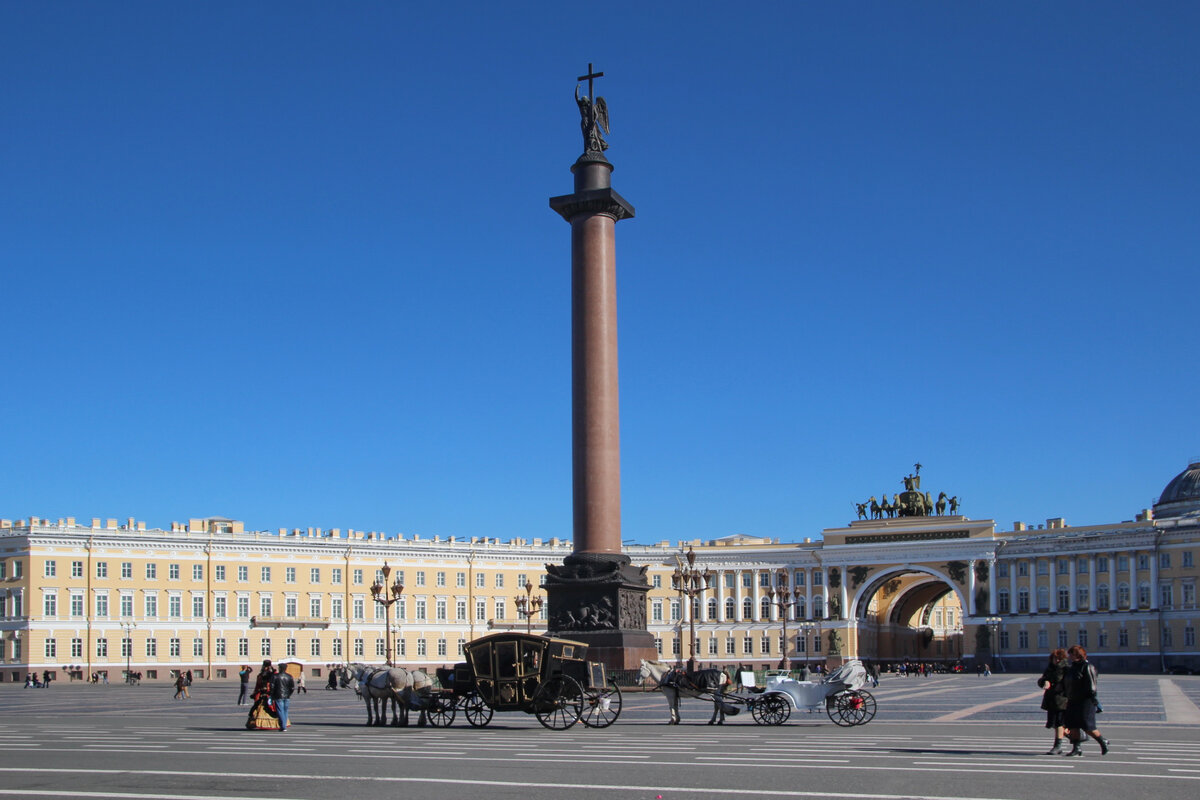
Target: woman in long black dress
1080,716
1054,698
261,716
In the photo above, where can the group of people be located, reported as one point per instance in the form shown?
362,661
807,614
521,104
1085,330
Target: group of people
1071,701
272,695
32,682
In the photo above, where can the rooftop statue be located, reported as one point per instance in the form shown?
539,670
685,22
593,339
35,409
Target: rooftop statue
593,112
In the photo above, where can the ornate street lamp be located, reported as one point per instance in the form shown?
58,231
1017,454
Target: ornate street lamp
128,643
386,596
691,582
784,600
528,606
806,629
993,624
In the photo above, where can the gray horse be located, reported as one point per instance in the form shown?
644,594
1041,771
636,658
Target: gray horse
702,684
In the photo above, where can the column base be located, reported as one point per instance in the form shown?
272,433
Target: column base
600,599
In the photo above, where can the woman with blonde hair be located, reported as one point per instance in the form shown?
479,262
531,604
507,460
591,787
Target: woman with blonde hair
1054,698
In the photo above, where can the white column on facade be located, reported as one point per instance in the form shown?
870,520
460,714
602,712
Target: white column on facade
1053,585
808,595
993,604
825,593
845,593
1033,599
1012,586
1112,581
755,578
1092,582
1133,583
971,586
1154,593
1071,603
720,593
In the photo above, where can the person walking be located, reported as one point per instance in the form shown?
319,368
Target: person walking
1054,696
244,674
1080,682
181,687
300,687
282,687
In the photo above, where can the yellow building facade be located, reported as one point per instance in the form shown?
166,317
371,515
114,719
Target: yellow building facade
78,599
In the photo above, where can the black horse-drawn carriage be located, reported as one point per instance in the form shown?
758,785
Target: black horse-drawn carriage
550,678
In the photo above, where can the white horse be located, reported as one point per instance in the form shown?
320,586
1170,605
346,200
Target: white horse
702,684
404,688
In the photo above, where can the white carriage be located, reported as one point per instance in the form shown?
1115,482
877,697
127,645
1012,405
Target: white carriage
841,693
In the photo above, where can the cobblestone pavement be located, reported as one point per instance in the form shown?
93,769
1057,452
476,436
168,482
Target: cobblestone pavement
940,737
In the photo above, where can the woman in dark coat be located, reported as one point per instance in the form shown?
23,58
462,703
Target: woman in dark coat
1080,715
1054,698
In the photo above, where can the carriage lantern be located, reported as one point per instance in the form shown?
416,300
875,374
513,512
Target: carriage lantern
528,606
690,581
386,596
781,598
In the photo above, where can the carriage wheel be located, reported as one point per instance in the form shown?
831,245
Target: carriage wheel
867,710
440,712
558,703
771,710
851,708
478,712
601,707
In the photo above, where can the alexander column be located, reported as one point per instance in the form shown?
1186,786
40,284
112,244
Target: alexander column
596,596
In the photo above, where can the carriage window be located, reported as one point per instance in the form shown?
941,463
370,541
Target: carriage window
506,660
568,651
531,658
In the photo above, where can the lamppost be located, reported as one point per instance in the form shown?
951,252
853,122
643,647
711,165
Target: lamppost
781,598
387,595
128,647
993,624
528,606
691,582
806,629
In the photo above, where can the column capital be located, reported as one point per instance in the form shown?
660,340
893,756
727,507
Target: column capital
604,201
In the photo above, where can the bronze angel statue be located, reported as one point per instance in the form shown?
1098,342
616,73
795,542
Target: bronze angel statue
594,119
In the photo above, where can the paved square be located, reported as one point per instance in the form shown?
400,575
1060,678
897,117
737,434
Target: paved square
938,737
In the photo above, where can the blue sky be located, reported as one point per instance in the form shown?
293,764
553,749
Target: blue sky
293,263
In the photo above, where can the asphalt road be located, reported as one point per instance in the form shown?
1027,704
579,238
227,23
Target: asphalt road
940,737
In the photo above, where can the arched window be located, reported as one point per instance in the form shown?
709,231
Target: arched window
1003,601
713,608
1143,595
747,608
1102,597
1023,600
801,607
765,608
819,606
1043,597
1064,598
730,608
1123,595
1082,598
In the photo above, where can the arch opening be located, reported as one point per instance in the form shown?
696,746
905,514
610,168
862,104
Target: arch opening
910,614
